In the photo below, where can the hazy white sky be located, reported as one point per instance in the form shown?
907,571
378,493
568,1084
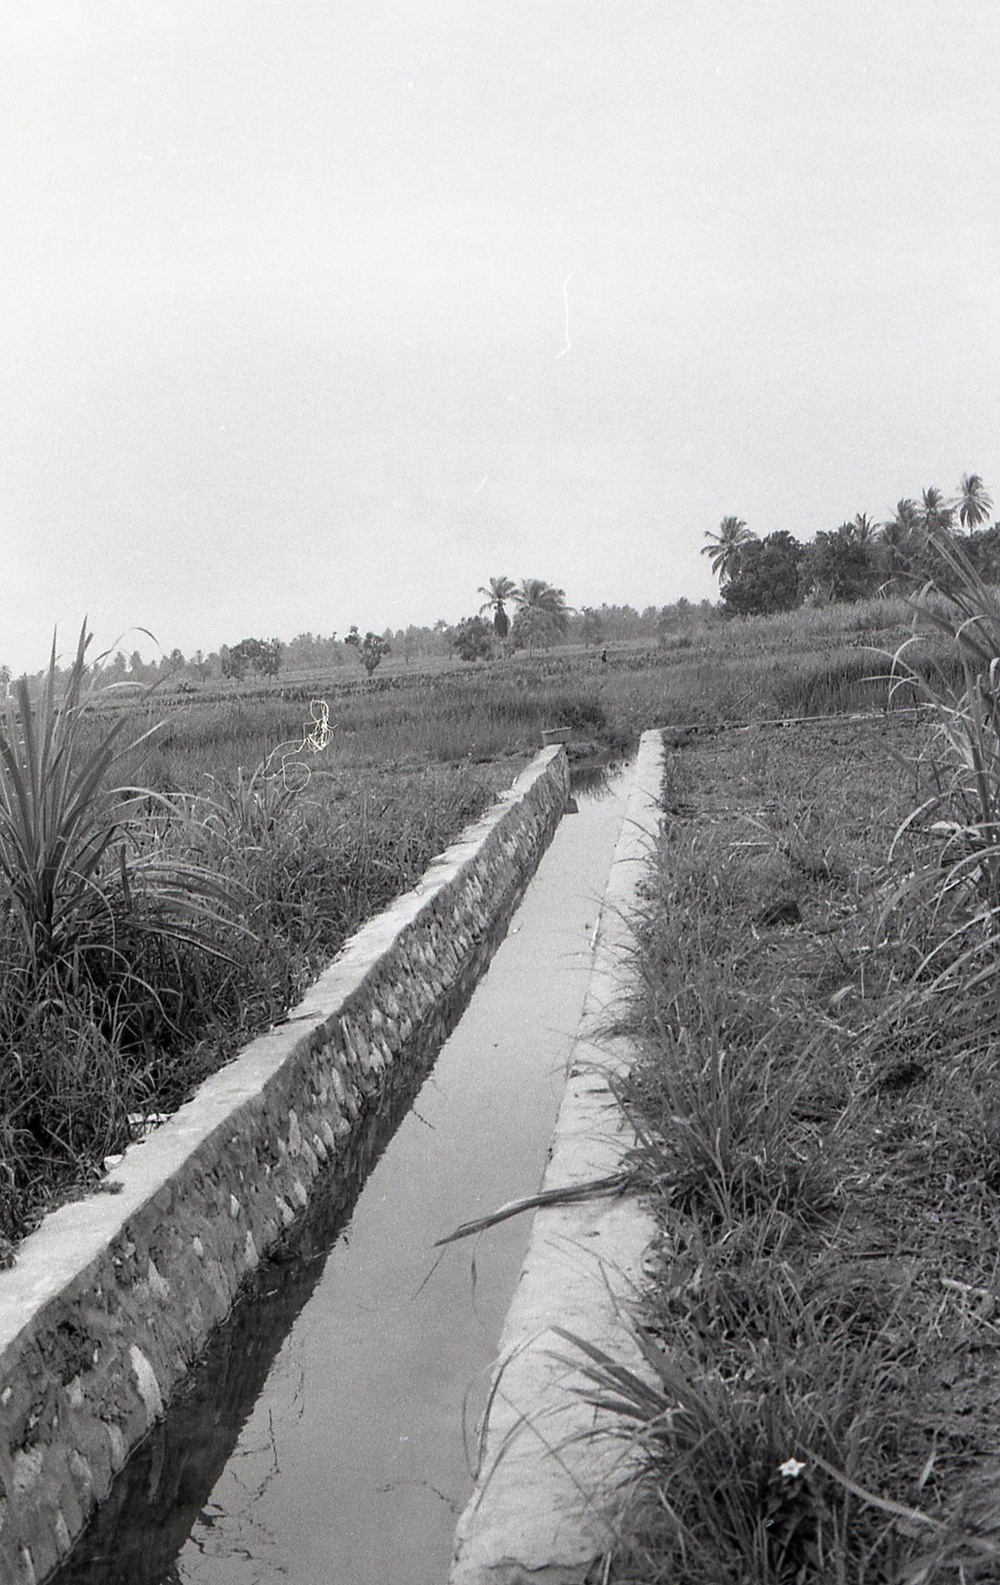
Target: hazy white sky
325,311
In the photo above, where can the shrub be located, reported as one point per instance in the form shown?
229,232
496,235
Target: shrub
472,639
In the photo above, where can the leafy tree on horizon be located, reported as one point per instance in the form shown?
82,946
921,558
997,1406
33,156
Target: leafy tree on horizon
982,547
767,577
472,639
841,565
261,655
370,650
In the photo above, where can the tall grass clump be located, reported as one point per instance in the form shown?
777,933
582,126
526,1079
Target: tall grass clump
311,860
946,909
99,923
84,871
146,934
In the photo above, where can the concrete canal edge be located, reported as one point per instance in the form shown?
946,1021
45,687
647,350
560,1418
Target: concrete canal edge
550,1464
114,1296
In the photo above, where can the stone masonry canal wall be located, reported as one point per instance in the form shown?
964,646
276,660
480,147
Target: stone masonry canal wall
113,1296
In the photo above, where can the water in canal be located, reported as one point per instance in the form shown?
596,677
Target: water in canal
326,1435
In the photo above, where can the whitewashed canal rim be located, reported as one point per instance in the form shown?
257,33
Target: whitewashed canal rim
552,1466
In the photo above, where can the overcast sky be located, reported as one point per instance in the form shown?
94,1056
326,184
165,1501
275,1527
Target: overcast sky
325,311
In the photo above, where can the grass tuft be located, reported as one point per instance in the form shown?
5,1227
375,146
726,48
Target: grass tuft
816,1109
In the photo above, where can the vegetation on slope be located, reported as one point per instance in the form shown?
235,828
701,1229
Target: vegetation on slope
148,933
818,1107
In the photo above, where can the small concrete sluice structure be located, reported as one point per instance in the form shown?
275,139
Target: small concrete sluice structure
550,1464
114,1295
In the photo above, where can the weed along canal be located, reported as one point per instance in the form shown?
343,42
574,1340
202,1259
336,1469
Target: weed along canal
328,1434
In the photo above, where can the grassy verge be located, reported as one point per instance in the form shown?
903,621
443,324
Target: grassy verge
820,1120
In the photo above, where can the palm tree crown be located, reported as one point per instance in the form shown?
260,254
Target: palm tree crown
934,511
542,610
725,546
864,529
500,590
974,504
903,530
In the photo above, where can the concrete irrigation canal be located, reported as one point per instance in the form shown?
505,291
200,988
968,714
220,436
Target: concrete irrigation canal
328,1430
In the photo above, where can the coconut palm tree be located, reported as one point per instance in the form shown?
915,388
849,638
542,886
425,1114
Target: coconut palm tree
898,535
974,504
863,529
902,537
500,590
725,546
859,531
905,523
542,612
934,511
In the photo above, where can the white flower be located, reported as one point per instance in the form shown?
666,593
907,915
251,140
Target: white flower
791,1468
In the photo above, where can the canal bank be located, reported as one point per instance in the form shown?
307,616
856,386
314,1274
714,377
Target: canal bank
112,1299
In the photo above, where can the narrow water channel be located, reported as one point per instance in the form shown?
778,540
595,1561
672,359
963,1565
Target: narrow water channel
324,1438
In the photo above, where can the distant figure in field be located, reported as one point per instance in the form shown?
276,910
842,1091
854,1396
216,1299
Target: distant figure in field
604,654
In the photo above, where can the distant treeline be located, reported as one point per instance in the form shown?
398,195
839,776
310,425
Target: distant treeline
859,559
593,626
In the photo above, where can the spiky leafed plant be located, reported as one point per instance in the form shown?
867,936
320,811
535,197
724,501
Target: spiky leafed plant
724,547
499,592
954,899
974,502
83,859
